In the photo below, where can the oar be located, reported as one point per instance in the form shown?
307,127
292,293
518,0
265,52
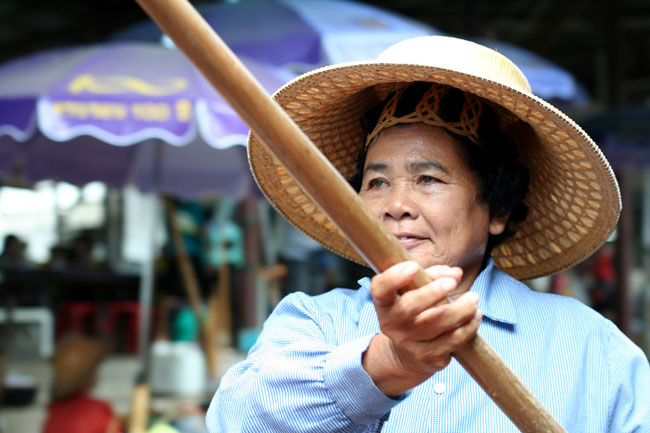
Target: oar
191,34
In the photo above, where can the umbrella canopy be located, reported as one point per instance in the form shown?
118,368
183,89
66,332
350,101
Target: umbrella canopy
297,34
305,34
76,114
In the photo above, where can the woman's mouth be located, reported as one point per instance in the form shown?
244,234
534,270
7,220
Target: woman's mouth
408,240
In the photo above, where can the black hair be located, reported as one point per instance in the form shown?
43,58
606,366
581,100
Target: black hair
502,180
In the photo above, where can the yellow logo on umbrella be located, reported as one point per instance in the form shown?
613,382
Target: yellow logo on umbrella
115,84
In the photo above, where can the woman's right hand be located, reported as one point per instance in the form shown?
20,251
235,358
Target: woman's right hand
419,330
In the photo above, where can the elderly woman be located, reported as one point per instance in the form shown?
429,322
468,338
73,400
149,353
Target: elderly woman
484,185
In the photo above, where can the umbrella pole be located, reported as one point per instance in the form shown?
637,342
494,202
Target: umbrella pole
331,192
147,277
139,410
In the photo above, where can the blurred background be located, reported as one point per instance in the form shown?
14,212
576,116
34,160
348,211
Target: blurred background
128,214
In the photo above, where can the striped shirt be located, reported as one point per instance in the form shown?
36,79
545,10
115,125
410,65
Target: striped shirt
304,374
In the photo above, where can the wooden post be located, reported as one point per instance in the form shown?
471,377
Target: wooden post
190,282
218,323
193,292
139,417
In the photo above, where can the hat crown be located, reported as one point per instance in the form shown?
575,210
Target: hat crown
459,55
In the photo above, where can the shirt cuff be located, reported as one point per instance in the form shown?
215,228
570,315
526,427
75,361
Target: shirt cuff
351,387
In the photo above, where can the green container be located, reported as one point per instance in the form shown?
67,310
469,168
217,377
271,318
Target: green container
184,326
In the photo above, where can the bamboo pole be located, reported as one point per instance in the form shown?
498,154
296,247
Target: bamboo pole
331,192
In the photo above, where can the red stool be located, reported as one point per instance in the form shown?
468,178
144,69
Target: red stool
77,316
129,311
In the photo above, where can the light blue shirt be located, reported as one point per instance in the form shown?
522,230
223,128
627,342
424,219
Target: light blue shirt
304,374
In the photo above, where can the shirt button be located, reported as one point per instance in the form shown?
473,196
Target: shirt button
439,388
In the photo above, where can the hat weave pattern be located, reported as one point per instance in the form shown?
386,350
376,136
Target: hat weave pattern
426,111
573,198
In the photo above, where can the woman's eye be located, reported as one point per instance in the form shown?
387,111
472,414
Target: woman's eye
427,180
376,183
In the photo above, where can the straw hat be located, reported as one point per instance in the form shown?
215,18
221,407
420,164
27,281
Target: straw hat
573,198
75,362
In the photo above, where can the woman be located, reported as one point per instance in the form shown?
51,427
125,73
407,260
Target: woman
483,184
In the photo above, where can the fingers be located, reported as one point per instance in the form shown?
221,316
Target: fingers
447,317
439,271
449,342
436,353
414,302
384,286
423,331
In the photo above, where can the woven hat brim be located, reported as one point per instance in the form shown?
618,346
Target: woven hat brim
574,201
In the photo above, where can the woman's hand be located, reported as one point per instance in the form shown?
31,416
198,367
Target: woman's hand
418,335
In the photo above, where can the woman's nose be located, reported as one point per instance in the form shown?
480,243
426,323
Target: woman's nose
400,203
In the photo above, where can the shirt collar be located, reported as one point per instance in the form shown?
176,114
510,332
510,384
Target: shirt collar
495,300
491,285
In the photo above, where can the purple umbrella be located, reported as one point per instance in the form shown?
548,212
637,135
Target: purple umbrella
123,113
298,34
304,34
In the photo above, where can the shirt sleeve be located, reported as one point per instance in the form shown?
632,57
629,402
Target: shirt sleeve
296,379
629,382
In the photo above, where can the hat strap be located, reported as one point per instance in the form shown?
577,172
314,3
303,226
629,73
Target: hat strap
426,111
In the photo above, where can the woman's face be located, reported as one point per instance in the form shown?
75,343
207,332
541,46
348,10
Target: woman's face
417,182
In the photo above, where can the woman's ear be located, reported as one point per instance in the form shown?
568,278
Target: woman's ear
498,224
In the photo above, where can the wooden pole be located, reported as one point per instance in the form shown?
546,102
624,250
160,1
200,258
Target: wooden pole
217,327
190,281
331,192
139,418
193,292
